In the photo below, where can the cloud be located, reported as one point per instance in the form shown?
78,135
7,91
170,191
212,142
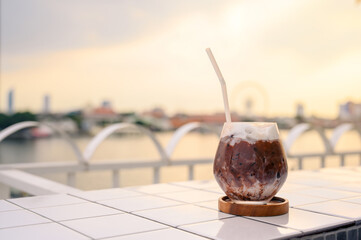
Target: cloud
49,25
293,49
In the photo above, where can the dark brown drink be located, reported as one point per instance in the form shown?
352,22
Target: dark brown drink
250,170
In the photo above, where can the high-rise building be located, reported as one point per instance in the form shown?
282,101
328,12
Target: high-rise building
300,112
106,104
11,101
46,104
350,111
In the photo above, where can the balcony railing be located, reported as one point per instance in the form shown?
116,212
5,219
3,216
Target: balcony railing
84,158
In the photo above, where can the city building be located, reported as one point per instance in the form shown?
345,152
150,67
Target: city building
300,111
11,101
46,104
350,111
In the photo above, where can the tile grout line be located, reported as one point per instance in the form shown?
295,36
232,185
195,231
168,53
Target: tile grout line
306,210
168,225
33,224
61,205
191,204
147,194
326,199
147,231
153,194
52,221
188,202
181,204
299,230
144,195
7,200
303,231
328,214
177,227
183,190
124,212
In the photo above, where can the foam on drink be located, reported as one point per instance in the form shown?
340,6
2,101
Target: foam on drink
250,132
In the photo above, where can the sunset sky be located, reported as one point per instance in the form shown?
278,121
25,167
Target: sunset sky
141,54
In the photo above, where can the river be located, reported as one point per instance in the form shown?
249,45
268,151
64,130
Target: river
138,147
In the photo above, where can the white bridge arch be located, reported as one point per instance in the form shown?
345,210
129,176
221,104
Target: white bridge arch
340,130
329,143
28,124
106,132
182,131
300,129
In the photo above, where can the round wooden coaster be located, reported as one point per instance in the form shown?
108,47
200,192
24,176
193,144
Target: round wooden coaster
277,206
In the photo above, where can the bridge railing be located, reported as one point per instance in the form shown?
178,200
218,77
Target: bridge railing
85,164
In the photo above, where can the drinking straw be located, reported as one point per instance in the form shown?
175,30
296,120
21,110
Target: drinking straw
223,84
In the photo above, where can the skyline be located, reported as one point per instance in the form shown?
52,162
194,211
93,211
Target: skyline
153,52
346,110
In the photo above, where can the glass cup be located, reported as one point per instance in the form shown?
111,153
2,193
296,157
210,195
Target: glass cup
250,164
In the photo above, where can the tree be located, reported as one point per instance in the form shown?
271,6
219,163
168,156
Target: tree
8,120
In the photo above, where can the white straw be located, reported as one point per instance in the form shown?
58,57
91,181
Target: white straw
223,84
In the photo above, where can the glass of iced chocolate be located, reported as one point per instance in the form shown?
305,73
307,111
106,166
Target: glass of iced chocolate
250,164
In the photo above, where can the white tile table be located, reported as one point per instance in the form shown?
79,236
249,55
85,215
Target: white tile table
46,231
140,203
113,225
326,193
46,201
240,228
304,221
74,211
6,206
336,208
322,207
18,218
180,215
158,188
168,233
191,196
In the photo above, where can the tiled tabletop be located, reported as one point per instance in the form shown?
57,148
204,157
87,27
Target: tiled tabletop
320,201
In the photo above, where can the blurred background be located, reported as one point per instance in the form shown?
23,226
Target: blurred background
83,65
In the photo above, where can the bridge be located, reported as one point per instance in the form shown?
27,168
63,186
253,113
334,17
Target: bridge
23,176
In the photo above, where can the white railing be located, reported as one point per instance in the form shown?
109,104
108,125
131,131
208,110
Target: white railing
84,162
329,143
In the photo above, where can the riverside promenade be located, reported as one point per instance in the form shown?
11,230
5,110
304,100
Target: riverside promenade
324,204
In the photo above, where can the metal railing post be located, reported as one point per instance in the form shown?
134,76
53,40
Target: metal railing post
71,179
190,172
300,163
156,174
323,162
4,191
342,160
116,178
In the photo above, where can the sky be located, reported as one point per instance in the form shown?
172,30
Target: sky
141,54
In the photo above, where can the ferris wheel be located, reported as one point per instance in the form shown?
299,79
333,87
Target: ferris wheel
250,99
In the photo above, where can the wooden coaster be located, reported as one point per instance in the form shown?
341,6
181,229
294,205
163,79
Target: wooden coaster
277,206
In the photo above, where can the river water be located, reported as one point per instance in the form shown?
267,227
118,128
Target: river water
133,147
